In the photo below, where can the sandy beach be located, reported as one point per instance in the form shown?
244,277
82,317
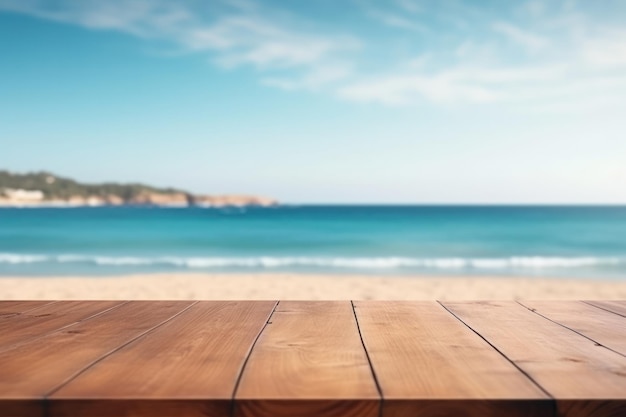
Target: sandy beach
303,287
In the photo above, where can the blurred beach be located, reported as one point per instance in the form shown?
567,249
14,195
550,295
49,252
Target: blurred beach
314,252
473,241
304,287
262,149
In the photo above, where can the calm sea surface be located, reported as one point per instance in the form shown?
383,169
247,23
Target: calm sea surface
452,240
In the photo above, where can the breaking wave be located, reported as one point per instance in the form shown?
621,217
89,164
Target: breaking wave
267,262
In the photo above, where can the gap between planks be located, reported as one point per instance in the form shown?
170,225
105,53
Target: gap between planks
369,360
561,363
596,342
526,374
621,311
58,329
109,353
245,361
268,321
253,396
371,366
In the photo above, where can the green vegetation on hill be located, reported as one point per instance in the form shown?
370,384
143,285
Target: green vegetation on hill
54,187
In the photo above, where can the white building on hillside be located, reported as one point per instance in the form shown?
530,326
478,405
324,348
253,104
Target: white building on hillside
23,195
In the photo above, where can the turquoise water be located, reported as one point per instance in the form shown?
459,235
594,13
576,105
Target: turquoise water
451,240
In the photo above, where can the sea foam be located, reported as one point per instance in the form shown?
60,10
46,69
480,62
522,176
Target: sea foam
269,262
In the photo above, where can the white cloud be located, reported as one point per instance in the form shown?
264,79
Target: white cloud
138,17
545,87
278,54
397,21
573,71
460,84
406,89
534,7
506,74
609,51
258,41
314,80
471,51
421,61
525,38
411,6
570,57
236,32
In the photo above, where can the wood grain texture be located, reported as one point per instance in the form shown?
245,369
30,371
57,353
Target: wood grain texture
294,407
586,380
218,358
583,408
134,407
422,355
617,307
469,408
33,370
11,308
309,361
601,326
48,318
189,366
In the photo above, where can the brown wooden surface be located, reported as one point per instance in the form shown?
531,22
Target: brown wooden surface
422,355
603,327
34,370
199,355
617,307
11,308
580,375
48,318
311,352
399,359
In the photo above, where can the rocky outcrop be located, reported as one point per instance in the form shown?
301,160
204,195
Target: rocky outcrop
46,189
161,199
144,199
114,200
232,200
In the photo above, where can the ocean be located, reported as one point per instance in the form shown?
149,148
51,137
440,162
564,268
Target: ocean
382,240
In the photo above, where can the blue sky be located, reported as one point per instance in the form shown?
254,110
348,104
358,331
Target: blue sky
402,101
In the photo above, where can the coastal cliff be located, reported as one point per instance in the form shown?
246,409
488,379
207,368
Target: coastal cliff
47,189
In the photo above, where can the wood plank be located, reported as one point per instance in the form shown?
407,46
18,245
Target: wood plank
12,308
309,361
189,366
21,408
32,370
617,307
585,379
48,318
603,327
427,360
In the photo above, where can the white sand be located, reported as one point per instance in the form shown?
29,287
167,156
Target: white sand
302,287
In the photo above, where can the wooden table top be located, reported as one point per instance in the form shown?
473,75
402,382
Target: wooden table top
312,358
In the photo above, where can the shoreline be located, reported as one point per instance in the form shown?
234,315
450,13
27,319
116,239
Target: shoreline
257,286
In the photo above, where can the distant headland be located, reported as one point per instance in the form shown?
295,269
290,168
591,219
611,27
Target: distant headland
44,189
